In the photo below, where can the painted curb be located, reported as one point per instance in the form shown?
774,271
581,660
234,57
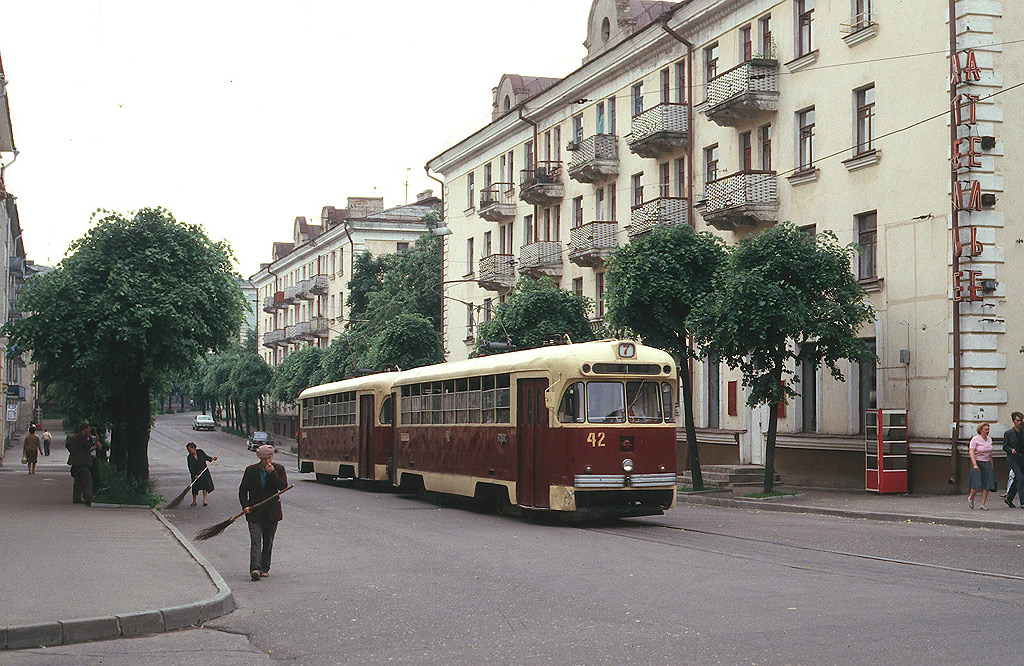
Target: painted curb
850,513
128,625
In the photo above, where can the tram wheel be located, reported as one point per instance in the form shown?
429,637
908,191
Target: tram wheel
324,478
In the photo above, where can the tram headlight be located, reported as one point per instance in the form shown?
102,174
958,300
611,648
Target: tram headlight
588,469
627,465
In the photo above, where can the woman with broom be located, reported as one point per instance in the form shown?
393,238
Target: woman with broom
260,482
198,467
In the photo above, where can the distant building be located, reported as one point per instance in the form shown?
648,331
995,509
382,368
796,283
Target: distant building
251,308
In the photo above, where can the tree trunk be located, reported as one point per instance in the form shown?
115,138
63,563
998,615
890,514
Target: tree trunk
691,432
769,444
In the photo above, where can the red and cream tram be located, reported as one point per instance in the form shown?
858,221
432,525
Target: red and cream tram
584,430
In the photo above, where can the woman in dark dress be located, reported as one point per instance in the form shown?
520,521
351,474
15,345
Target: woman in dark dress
197,467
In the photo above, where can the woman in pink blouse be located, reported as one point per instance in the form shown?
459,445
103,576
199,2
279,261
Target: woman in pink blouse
982,477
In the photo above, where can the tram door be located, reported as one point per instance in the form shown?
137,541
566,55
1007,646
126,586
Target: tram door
365,437
531,428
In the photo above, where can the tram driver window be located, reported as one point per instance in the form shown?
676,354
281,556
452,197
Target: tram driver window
643,402
570,410
605,402
387,414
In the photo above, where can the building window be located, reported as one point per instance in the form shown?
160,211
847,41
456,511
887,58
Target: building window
746,44
469,256
867,375
638,188
577,128
469,321
764,137
681,81
711,163
333,262
611,115
577,212
613,199
764,29
487,175
527,230
714,391
664,180
666,85
470,190
746,152
558,143
805,139
600,117
809,397
863,15
487,309
867,241
402,248
638,98
577,286
556,223
710,62
804,23
547,146
599,200
599,294
681,177
487,244
864,101
528,156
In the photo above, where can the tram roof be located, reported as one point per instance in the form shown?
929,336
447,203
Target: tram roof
381,380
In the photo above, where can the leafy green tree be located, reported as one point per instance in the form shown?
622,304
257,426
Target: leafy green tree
136,300
533,311
250,379
408,340
367,278
343,356
653,284
297,373
784,297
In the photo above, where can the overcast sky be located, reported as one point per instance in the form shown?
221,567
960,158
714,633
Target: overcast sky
242,115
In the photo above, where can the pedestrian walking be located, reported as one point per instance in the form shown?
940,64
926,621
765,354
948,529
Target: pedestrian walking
1013,445
260,481
982,476
198,467
81,446
47,440
30,449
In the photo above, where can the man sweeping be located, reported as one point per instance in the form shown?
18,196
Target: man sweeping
260,481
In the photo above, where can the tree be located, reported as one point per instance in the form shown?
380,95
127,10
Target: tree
250,379
367,277
408,341
135,301
297,373
784,297
343,356
533,311
653,284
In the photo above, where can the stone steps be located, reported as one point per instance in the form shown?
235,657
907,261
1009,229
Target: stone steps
730,475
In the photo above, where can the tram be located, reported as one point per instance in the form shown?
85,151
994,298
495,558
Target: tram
579,431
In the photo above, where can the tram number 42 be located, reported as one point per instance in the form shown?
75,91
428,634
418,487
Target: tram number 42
595,439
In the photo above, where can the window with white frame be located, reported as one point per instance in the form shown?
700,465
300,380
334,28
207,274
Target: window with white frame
681,81
746,151
599,204
863,14
764,137
804,27
638,98
764,34
867,244
600,117
710,62
487,244
611,115
746,44
577,286
666,85
805,139
470,190
711,163
681,177
637,187
469,256
577,211
470,321
864,106
664,180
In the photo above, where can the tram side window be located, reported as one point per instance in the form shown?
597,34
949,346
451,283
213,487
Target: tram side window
502,399
605,402
467,400
668,408
570,410
643,402
387,412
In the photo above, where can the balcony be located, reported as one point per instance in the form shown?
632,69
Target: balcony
273,338
591,243
304,291
16,266
744,92
304,330
541,259
318,284
658,130
542,185
320,327
291,333
497,272
660,212
291,294
270,304
595,158
746,198
497,202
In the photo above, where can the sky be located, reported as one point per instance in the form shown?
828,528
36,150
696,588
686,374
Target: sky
240,116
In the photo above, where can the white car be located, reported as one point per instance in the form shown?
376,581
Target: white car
203,422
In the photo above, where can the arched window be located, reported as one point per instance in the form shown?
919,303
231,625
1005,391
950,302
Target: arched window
508,103
606,29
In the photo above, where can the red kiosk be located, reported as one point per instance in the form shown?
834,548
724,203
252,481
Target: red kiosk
886,450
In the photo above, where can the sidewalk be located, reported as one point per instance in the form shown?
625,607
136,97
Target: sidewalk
71,573
938,509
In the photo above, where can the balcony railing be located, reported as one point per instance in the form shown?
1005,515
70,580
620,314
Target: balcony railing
273,338
320,327
595,158
304,291
497,272
270,304
304,330
542,185
746,198
658,130
318,284
497,202
291,333
591,243
744,92
291,293
543,258
660,212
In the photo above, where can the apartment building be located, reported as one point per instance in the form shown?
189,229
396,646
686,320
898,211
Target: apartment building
302,292
733,115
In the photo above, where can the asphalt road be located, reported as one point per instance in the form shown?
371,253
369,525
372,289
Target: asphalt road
369,577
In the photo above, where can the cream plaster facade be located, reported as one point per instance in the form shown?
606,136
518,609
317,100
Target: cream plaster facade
831,115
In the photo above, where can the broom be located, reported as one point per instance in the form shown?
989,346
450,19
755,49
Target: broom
214,530
177,500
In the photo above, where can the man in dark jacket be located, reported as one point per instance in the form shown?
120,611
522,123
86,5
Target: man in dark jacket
259,482
1013,445
81,445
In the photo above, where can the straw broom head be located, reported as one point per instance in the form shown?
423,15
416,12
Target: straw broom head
177,500
214,530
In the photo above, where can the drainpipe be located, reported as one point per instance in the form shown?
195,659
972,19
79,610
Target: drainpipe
444,320
954,451
689,114
536,159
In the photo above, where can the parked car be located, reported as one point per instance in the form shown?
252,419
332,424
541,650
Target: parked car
203,422
259,438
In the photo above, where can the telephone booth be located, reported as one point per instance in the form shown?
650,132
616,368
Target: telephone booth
886,450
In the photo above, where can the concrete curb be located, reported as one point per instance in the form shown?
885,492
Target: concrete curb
850,513
129,625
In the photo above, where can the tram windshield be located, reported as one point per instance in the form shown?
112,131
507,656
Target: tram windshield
615,402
